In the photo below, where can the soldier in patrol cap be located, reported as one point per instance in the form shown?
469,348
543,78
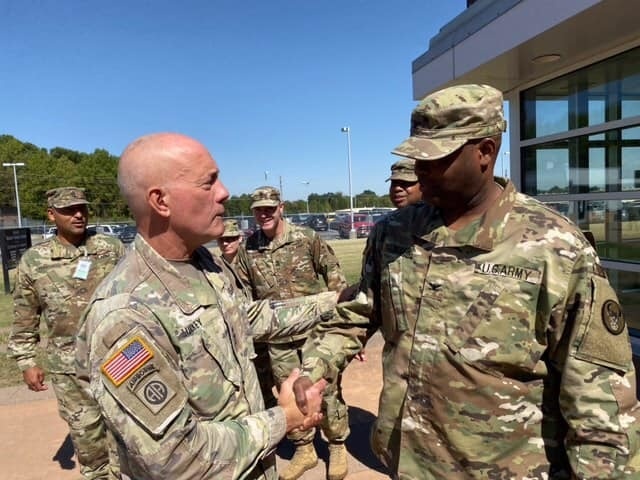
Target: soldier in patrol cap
285,261
507,354
404,188
230,241
54,282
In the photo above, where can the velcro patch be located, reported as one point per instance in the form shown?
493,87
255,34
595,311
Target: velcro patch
155,393
126,361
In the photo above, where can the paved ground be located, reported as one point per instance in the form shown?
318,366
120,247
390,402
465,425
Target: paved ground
35,445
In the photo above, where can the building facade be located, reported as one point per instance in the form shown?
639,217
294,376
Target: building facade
570,72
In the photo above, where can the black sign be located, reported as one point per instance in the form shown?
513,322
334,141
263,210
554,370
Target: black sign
13,243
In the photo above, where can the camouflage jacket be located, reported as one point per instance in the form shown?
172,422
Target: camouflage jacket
294,264
46,287
169,360
506,354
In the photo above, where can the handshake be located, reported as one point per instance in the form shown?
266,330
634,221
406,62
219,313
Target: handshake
301,401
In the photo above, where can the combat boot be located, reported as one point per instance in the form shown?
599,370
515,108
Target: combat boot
304,459
337,461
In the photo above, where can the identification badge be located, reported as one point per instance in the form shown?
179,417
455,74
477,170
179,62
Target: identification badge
82,270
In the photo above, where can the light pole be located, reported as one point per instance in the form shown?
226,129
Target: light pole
306,182
266,175
15,183
347,130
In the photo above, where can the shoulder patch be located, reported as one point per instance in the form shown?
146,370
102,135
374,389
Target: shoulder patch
603,342
612,317
127,361
142,379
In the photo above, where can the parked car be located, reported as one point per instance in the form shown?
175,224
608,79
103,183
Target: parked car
127,233
298,218
109,229
318,223
362,224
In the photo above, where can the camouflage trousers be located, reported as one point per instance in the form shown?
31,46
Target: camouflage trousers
265,375
95,447
335,424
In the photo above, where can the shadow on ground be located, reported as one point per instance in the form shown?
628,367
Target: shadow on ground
64,455
360,424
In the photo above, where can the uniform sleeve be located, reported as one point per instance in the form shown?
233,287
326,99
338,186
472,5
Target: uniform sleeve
327,264
242,267
598,387
25,331
147,405
332,344
274,319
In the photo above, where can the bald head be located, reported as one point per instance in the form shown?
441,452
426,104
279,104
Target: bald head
152,160
173,188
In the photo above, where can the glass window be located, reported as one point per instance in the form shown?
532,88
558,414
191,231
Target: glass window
603,92
583,165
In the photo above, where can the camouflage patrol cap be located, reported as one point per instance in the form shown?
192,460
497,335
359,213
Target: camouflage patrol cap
447,119
231,228
404,170
265,197
66,197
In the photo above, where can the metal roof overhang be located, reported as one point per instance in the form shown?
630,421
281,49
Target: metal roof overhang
495,41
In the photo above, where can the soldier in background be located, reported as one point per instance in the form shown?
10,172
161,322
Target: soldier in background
506,351
230,241
229,244
54,282
404,188
165,345
284,261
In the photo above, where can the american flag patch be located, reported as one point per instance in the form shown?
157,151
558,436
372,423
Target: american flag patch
128,359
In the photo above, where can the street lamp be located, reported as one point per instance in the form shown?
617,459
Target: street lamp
347,130
306,182
15,183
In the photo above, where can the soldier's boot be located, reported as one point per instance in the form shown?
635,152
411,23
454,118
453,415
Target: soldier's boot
337,461
304,459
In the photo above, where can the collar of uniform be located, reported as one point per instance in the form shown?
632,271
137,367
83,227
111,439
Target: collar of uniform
486,230
189,295
481,233
65,250
265,243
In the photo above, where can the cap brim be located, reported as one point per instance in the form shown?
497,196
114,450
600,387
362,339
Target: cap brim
71,204
265,203
420,148
404,177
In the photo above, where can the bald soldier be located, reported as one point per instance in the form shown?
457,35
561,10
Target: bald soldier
54,282
506,351
166,344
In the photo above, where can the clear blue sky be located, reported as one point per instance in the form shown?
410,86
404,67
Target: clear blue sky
266,85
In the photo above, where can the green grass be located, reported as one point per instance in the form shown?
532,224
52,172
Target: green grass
349,252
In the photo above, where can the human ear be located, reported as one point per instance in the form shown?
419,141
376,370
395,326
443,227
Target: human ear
157,199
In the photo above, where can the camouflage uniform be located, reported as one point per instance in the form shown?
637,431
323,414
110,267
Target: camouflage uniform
261,360
167,355
295,264
506,353
45,285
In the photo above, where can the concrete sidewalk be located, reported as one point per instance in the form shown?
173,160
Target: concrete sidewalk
36,446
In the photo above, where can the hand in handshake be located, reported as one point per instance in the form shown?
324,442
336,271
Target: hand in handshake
310,397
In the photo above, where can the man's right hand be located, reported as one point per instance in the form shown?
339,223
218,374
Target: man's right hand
34,378
296,417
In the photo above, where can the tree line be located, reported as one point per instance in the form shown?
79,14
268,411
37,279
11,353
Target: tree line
96,172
